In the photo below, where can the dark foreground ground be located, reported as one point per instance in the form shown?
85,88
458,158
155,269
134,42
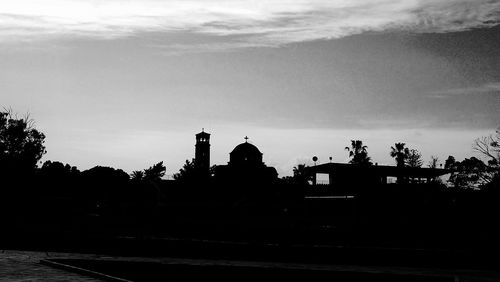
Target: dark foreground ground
156,259
374,238
191,270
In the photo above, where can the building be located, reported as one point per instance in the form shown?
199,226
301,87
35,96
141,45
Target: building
351,177
245,164
245,167
202,153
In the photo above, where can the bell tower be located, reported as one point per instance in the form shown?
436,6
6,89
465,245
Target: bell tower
202,152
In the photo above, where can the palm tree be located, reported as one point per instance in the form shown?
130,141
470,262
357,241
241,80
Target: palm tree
400,153
358,153
154,172
137,175
300,175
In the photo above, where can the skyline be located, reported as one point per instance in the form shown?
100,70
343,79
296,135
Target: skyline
129,83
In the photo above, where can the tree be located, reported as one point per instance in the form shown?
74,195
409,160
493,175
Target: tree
103,184
449,163
469,173
58,178
21,144
106,175
489,146
414,158
400,154
187,173
358,153
57,169
433,163
155,172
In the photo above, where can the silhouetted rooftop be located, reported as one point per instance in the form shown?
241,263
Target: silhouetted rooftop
245,153
246,148
380,170
202,134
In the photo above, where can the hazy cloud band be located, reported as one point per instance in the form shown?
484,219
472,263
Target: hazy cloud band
260,23
492,87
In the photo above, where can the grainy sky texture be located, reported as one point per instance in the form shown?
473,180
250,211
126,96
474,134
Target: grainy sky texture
128,83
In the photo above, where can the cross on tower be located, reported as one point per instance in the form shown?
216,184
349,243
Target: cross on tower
246,139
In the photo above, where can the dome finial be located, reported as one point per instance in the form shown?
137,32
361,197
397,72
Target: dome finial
246,139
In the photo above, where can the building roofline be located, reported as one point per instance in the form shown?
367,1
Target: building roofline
382,170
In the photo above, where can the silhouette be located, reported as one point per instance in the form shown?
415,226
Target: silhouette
358,153
433,163
300,176
470,173
137,175
198,169
352,178
188,172
21,147
155,172
414,158
142,200
57,178
450,162
246,166
400,154
104,209
55,168
21,144
101,187
202,153
489,147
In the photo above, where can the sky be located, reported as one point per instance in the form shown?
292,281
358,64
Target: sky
128,83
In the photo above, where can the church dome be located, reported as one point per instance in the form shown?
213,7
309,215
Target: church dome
245,154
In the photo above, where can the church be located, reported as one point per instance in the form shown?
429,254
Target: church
245,166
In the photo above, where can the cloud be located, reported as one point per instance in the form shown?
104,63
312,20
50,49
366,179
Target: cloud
487,88
256,23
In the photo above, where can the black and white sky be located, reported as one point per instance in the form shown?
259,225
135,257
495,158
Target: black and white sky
127,83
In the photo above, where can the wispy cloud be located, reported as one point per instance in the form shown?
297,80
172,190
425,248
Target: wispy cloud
258,23
492,87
